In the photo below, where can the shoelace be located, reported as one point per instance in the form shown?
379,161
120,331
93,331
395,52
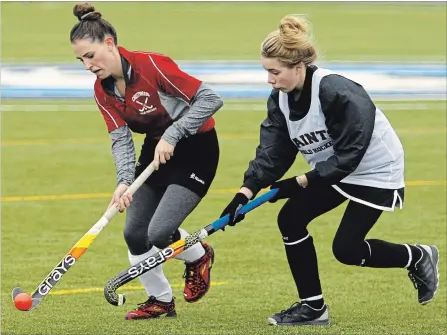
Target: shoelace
143,305
190,273
192,270
417,282
289,310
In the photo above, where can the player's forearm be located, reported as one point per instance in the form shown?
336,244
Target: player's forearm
206,103
123,151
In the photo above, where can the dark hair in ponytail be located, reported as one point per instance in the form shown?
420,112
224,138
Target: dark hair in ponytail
91,25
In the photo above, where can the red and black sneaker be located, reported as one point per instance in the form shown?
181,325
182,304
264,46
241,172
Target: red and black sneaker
152,309
198,275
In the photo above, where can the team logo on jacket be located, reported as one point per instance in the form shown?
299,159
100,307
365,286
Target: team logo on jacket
141,98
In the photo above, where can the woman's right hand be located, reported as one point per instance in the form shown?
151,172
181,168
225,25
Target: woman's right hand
121,197
240,199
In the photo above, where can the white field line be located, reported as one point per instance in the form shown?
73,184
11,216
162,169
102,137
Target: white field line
228,106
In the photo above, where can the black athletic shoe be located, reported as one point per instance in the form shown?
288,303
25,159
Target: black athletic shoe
299,314
425,273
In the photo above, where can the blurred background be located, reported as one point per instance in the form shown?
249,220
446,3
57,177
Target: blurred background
410,35
57,171
370,31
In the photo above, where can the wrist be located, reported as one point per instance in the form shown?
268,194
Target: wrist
171,136
252,186
247,192
124,182
302,181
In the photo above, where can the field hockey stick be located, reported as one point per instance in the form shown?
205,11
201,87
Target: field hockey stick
173,250
80,247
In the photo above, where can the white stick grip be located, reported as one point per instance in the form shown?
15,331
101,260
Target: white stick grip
141,178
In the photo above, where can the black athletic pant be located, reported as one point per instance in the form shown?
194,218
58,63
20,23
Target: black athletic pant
349,245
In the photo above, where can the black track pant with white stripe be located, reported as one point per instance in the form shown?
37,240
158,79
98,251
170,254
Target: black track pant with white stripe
349,244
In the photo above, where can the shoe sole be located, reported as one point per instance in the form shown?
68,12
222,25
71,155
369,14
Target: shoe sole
172,314
200,296
273,322
435,259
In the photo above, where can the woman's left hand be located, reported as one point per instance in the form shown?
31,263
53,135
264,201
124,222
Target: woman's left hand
163,152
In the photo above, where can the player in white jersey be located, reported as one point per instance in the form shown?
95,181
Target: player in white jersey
354,154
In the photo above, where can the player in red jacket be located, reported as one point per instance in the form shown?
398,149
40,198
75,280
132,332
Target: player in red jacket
147,93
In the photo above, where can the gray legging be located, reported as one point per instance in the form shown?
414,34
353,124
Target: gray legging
154,216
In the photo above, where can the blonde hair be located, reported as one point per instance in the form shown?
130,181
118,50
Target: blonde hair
291,43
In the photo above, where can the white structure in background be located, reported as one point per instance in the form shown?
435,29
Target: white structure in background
232,80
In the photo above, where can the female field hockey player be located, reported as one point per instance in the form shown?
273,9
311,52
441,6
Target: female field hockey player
354,155
147,93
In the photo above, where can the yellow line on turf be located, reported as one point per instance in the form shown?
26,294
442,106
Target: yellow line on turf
218,191
222,136
124,288
56,197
